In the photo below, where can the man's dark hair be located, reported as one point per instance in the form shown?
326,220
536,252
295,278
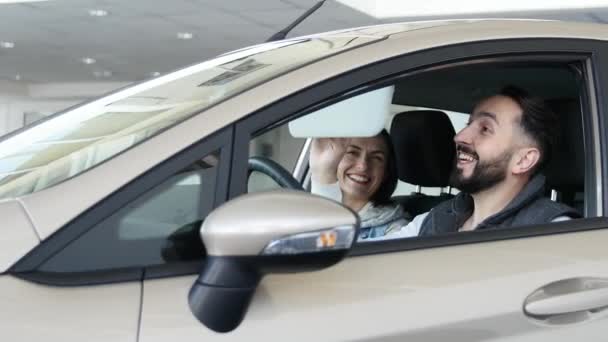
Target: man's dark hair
389,183
538,122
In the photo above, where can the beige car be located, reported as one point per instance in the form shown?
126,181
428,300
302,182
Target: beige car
156,213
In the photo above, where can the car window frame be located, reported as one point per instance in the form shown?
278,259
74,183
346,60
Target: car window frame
26,267
234,142
588,52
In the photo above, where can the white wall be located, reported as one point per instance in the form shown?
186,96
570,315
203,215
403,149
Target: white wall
19,98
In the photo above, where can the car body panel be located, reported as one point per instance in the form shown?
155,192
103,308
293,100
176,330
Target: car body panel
18,235
425,295
33,312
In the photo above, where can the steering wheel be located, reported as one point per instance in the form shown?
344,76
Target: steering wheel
273,170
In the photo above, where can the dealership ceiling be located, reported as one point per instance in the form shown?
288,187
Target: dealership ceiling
128,40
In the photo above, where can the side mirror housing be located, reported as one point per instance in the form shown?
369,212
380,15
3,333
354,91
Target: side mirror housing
273,232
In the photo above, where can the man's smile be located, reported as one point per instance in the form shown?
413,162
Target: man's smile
465,156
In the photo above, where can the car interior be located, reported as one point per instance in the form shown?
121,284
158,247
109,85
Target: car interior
428,108
458,89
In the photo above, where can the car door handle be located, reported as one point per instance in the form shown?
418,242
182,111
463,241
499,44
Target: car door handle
568,296
585,300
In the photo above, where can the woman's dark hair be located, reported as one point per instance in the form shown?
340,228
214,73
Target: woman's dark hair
389,182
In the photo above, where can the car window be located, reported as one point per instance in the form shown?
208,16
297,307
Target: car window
160,227
74,141
279,146
425,112
361,115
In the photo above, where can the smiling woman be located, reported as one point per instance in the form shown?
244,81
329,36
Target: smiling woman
352,159
366,175
364,168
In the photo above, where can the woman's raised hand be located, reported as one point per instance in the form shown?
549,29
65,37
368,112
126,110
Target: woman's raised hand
325,155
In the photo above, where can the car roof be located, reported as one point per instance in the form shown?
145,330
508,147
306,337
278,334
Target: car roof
558,29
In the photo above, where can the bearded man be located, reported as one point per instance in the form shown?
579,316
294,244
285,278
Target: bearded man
499,158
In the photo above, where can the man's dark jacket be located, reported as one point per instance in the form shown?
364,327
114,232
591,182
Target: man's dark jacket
528,207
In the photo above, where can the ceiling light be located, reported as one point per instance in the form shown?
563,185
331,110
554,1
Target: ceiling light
103,73
98,13
155,74
88,60
7,45
184,35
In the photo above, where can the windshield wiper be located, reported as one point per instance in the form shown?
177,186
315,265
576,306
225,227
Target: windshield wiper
283,33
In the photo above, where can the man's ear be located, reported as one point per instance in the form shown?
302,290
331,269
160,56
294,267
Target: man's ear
525,160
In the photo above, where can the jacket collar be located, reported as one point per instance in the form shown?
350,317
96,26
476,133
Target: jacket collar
463,204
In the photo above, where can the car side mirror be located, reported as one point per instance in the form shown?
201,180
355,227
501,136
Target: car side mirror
282,231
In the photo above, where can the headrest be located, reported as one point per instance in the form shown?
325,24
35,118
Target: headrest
424,147
566,169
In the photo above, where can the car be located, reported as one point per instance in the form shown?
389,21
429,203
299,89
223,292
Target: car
177,208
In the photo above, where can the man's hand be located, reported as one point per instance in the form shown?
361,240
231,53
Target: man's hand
325,155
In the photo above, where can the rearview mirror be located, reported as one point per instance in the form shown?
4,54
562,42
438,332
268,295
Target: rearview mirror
282,231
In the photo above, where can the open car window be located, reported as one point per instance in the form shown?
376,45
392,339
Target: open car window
447,94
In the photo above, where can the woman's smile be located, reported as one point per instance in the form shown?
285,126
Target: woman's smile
358,178
363,168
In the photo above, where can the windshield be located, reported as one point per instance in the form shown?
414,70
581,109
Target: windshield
74,141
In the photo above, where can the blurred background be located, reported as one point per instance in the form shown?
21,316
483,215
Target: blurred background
57,53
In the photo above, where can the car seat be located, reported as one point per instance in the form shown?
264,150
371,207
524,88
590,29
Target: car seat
424,151
565,172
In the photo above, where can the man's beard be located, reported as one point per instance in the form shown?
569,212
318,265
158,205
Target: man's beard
486,174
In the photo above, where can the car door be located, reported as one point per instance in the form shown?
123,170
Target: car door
511,285
87,285
92,313
30,309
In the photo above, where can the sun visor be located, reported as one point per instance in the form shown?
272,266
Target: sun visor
359,116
